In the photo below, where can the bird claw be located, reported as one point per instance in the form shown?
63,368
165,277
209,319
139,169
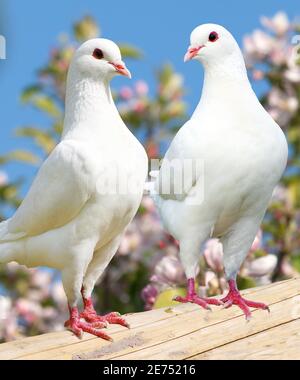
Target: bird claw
78,327
117,320
235,298
99,325
111,318
194,298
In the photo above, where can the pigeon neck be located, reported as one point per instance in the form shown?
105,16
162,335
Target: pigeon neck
225,82
88,101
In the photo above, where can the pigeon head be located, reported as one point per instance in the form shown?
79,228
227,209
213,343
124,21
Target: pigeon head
99,58
211,43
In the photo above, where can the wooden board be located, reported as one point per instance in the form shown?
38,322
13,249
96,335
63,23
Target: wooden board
185,332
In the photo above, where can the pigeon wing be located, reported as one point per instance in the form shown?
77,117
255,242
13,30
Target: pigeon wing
58,193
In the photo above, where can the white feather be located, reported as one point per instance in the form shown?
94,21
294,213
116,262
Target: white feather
67,221
243,154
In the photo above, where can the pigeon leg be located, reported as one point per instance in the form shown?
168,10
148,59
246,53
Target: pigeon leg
194,298
90,315
78,327
234,298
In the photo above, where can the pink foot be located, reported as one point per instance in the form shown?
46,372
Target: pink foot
192,297
234,298
78,327
90,315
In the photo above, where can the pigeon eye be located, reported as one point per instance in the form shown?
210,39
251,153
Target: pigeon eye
98,54
213,36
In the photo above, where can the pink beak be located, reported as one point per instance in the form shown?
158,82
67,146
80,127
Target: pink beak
121,69
191,53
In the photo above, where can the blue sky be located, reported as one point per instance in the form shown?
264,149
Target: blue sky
160,28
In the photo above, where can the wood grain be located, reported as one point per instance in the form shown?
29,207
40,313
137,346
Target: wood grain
185,332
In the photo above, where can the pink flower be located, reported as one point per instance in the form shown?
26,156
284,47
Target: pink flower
149,294
258,74
293,74
278,55
169,271
62,65
213,254
149,204
126,93
141,88
262,266
282,106
281,194
259,44
29,310
40,278
139,107
130,243
279,24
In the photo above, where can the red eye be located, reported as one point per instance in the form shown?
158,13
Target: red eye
213,36
98,54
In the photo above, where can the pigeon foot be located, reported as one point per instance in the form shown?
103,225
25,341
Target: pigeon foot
192,297
77,326
111,318
234,298
89,314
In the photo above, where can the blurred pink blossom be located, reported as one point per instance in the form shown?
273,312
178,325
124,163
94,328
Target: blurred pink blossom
259,44
279,53
129,243
149,204
168,271
258,75
41,278
293,74
263,266
281,194
141,88
139,107
30,311
126,93
213,253
149,294
279,24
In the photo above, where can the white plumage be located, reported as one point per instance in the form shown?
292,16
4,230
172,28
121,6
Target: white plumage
74,215
242,154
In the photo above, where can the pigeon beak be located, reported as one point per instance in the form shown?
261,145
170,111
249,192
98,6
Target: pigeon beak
121,69
191,53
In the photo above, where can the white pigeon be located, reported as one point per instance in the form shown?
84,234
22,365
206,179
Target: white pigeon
86,192
238,154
